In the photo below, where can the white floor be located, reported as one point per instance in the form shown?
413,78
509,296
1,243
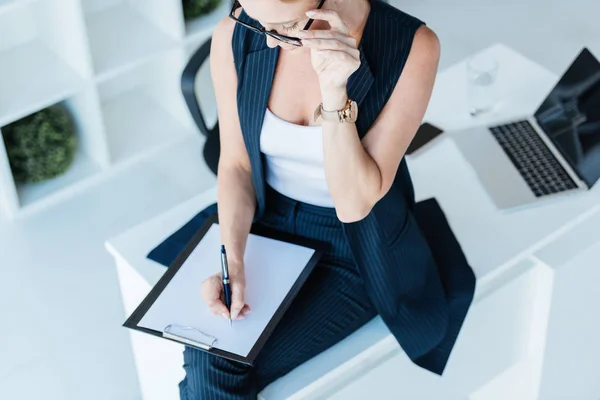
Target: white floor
60,307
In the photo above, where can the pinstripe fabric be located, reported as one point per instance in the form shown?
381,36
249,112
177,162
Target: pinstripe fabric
332,304
401,273
402,261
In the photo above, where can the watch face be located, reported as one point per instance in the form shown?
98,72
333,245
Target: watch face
353,111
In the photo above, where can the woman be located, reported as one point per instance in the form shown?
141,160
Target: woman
289,76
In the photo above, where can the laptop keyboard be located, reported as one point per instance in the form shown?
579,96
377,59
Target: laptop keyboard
532,158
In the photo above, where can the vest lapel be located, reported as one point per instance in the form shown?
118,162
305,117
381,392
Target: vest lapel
254,89
360,81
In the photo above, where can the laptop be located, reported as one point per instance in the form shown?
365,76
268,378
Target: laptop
554,152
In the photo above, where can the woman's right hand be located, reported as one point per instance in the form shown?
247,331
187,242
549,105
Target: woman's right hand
213,296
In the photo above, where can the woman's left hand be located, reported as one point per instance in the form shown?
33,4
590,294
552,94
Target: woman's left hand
334,52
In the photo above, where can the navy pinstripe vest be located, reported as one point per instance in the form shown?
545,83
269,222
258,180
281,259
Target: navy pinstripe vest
422,295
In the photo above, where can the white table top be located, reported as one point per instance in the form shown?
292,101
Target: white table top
522,85
492,241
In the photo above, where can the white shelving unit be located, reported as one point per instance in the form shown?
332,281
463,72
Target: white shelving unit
43,57
115,65
91,158
143,109
122,34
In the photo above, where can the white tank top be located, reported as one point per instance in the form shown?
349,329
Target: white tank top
294,160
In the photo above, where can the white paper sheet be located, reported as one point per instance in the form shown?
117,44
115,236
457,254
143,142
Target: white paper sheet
271,268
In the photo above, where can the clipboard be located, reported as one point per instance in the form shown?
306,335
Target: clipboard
205,341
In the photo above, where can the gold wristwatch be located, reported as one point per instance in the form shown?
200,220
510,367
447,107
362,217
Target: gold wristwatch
347,114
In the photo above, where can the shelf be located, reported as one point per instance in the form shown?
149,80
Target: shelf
9,200
137,126
121,38
116,65
81,170
90,160
43,55
199,29
143,110
33,77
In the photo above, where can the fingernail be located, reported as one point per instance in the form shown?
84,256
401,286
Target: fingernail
234,314
225,315
302,34
311,13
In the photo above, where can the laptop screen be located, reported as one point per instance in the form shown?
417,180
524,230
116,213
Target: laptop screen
570,116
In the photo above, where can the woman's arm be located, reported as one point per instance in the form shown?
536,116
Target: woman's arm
359,173
236,197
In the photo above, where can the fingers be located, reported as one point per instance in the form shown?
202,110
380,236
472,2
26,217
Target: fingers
218,308
329,40
340,56
326,46
328,34
237,298
330,16
211,290
245,311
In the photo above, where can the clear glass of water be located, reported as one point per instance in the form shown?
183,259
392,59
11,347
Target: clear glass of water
482,91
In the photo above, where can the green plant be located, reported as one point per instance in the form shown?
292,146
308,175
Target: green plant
40,146
195,8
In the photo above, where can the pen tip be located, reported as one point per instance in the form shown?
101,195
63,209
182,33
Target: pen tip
230,322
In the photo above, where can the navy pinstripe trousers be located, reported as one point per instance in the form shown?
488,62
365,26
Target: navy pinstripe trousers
331,305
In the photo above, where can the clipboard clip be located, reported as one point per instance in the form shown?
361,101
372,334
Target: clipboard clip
189,335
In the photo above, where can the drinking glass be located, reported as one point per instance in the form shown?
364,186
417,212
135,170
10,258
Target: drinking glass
482,91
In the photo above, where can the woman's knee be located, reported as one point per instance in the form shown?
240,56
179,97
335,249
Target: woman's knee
207,376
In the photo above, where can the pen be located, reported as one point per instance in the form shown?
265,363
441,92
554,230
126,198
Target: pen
225,275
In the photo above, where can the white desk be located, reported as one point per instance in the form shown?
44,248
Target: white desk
511,280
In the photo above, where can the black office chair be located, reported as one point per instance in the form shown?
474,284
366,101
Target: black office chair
212,147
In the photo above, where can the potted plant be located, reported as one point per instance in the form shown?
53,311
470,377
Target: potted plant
195,8
42,145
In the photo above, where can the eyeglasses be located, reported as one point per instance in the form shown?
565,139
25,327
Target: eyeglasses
282,38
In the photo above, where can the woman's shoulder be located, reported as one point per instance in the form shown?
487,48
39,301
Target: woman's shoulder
231,41
223,33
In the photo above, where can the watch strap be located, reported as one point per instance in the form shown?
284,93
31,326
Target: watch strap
340,116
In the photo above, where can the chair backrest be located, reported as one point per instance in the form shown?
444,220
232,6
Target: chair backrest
192,92
196,84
